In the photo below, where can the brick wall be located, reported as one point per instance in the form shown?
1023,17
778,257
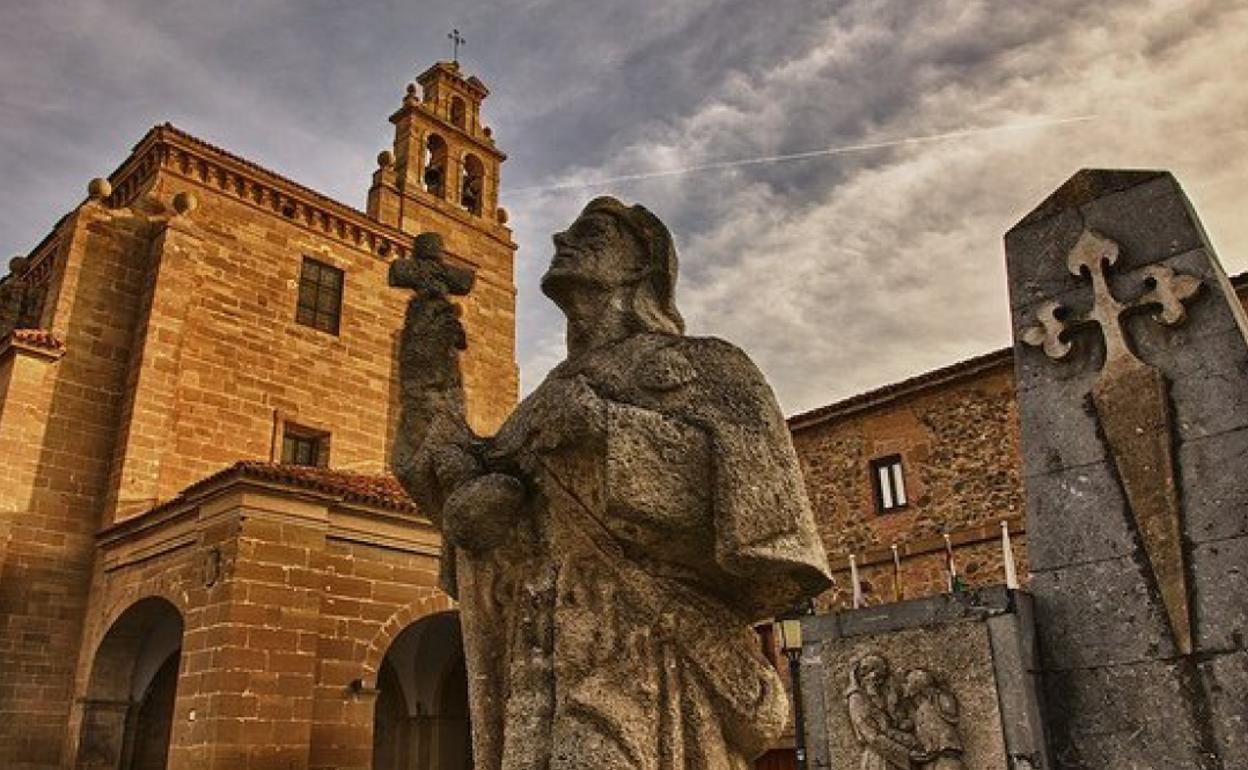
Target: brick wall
957,436
287,596
57,427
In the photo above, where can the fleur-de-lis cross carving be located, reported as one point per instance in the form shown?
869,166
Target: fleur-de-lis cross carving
1167,291
1132,405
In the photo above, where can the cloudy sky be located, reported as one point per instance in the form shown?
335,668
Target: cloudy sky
838,271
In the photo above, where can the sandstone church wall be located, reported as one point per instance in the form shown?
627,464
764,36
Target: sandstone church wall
58,423
289,598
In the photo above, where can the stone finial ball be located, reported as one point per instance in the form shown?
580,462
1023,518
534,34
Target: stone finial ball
489,132
185,202
385,159
99,189
411,90
502,215
18,264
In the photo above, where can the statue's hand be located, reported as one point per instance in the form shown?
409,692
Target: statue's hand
480,513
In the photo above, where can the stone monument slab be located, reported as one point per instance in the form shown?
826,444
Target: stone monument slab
1131,359
941,683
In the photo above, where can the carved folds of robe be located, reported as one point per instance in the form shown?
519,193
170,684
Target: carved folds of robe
612,630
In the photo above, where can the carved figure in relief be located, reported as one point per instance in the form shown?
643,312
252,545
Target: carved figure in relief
933,711
913,727
876,715
613,543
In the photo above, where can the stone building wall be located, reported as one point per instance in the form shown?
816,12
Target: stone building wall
226,365
168,348
58,423
287,593
956,430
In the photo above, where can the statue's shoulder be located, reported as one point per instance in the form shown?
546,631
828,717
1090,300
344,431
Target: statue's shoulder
722,378
721,362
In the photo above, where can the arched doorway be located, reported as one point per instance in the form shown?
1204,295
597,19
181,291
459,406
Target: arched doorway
127,711
421,716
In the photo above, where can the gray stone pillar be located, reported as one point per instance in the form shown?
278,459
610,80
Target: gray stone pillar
1132,371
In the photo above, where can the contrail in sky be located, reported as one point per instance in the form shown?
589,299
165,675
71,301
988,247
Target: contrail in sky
844,150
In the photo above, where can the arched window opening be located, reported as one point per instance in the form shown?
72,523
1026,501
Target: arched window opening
459,112
435,166
421,716
473,187
127,710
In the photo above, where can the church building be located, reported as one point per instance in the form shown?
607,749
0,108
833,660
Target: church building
205,563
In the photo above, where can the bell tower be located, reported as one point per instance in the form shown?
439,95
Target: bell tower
442,176
444,160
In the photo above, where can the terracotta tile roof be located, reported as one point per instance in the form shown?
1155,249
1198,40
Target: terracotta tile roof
39,339
954,371
382,491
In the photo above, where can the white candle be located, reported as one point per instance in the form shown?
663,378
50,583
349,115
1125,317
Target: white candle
897,594
1007,555
853,576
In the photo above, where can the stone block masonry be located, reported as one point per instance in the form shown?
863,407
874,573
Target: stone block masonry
289,588
1132,368
168,347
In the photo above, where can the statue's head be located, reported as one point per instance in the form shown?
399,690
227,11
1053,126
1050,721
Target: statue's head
870,672
622,252
917,681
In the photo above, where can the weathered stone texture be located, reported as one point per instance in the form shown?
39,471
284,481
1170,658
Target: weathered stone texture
616,538
1113,622
979,648
958,440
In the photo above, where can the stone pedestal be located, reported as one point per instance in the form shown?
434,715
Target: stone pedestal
958,687
1132,371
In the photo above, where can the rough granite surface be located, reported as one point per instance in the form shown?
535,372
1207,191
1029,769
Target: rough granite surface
613,543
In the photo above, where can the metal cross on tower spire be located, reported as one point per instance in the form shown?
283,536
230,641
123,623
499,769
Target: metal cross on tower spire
456,41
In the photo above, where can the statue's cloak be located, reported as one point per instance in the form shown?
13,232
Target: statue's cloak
619,616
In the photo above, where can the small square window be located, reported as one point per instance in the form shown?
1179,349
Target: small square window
320,296
303,446
889,484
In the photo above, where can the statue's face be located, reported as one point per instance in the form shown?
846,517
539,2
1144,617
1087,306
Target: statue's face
595,252
874,674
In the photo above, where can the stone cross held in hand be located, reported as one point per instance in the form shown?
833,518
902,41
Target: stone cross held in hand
428,273
1133,406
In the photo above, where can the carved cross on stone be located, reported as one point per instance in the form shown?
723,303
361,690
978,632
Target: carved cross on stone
1132,404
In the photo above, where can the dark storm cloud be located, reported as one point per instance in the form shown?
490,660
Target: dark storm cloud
838,273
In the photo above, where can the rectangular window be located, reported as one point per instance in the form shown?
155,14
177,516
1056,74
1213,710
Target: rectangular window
320,296
889,483
302,446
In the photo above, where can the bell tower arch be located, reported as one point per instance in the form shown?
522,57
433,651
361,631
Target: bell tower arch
444,157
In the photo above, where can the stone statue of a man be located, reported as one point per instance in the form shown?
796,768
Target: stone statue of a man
614,542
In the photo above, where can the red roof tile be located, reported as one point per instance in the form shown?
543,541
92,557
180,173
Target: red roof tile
41,339
382,491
